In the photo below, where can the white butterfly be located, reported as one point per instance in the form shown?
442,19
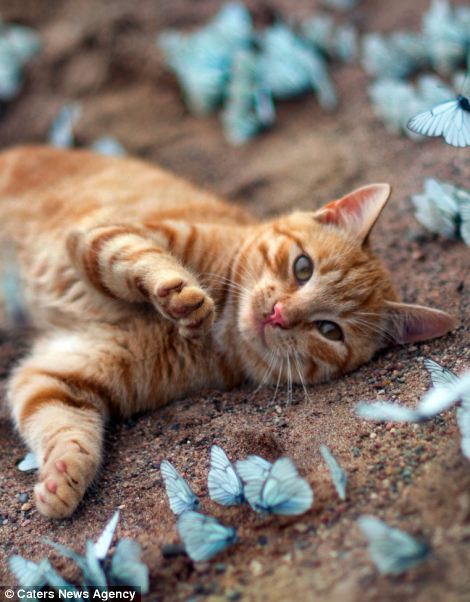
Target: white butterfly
392,550
103,543
437,400
338,476
127,568
450,119
384,411
203,536
463,420
180,495
30,574
225,486
28,463
276,488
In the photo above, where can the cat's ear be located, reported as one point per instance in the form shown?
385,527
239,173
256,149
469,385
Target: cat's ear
356,212
412,323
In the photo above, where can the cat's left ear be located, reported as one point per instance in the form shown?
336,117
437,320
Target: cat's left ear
356,212
409,323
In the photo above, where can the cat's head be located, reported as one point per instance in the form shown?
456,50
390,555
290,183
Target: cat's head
316,302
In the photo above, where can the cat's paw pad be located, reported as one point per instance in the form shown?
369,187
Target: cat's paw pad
64,479
187,304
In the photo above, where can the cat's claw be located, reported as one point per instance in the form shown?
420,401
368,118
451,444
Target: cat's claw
187,304
63,479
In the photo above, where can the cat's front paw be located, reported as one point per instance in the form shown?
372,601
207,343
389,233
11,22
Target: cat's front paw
187,304
64,478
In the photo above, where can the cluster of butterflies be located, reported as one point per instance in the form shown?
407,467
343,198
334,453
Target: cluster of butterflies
269,488
444,46
125,567
230,65
18,44
273,489
444,209
448,390
62,133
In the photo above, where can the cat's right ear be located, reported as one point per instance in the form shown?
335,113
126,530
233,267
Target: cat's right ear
356,212
409,323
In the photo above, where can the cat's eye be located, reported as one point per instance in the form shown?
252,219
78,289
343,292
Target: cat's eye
330,330
303,269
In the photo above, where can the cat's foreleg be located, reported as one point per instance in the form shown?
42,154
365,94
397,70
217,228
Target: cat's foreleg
127,264
60,412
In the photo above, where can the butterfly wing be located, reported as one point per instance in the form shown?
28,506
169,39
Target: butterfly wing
204,536
127,567
463,420
285,491
433,121
225,486
441,398
104,540
180,495
392,550
253,471
383,411
28,463
27,573
338,476
464,210
439,374
456,129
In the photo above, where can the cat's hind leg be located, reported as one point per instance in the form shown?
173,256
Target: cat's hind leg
60,397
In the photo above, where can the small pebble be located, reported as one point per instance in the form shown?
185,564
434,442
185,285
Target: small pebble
256,568
233,595
23,497
27,506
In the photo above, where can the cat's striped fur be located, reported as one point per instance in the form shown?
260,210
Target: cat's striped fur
143,288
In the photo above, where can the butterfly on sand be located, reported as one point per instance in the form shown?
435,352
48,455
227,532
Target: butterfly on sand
28,463
225,486
444,208
274,488
180,495
203,536
392,550
338,476
450,119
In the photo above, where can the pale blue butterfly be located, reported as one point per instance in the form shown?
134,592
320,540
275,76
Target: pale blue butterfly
32,574
103,543
338,476
225,486
203,536
28,463
392,550
275,489
89,564
180,495
61,133
127,568
437,400
450,119
444,209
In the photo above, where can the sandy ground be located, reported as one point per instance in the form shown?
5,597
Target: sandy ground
103,54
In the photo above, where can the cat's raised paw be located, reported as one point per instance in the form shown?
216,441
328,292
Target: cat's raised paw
187,304
64,478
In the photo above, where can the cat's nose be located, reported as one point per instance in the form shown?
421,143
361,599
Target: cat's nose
277,318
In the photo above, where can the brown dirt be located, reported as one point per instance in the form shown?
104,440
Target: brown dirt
103,54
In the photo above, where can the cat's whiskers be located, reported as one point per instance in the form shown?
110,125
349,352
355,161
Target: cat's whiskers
297,359
266,375
281,367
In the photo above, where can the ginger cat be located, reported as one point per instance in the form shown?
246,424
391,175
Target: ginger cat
142,288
